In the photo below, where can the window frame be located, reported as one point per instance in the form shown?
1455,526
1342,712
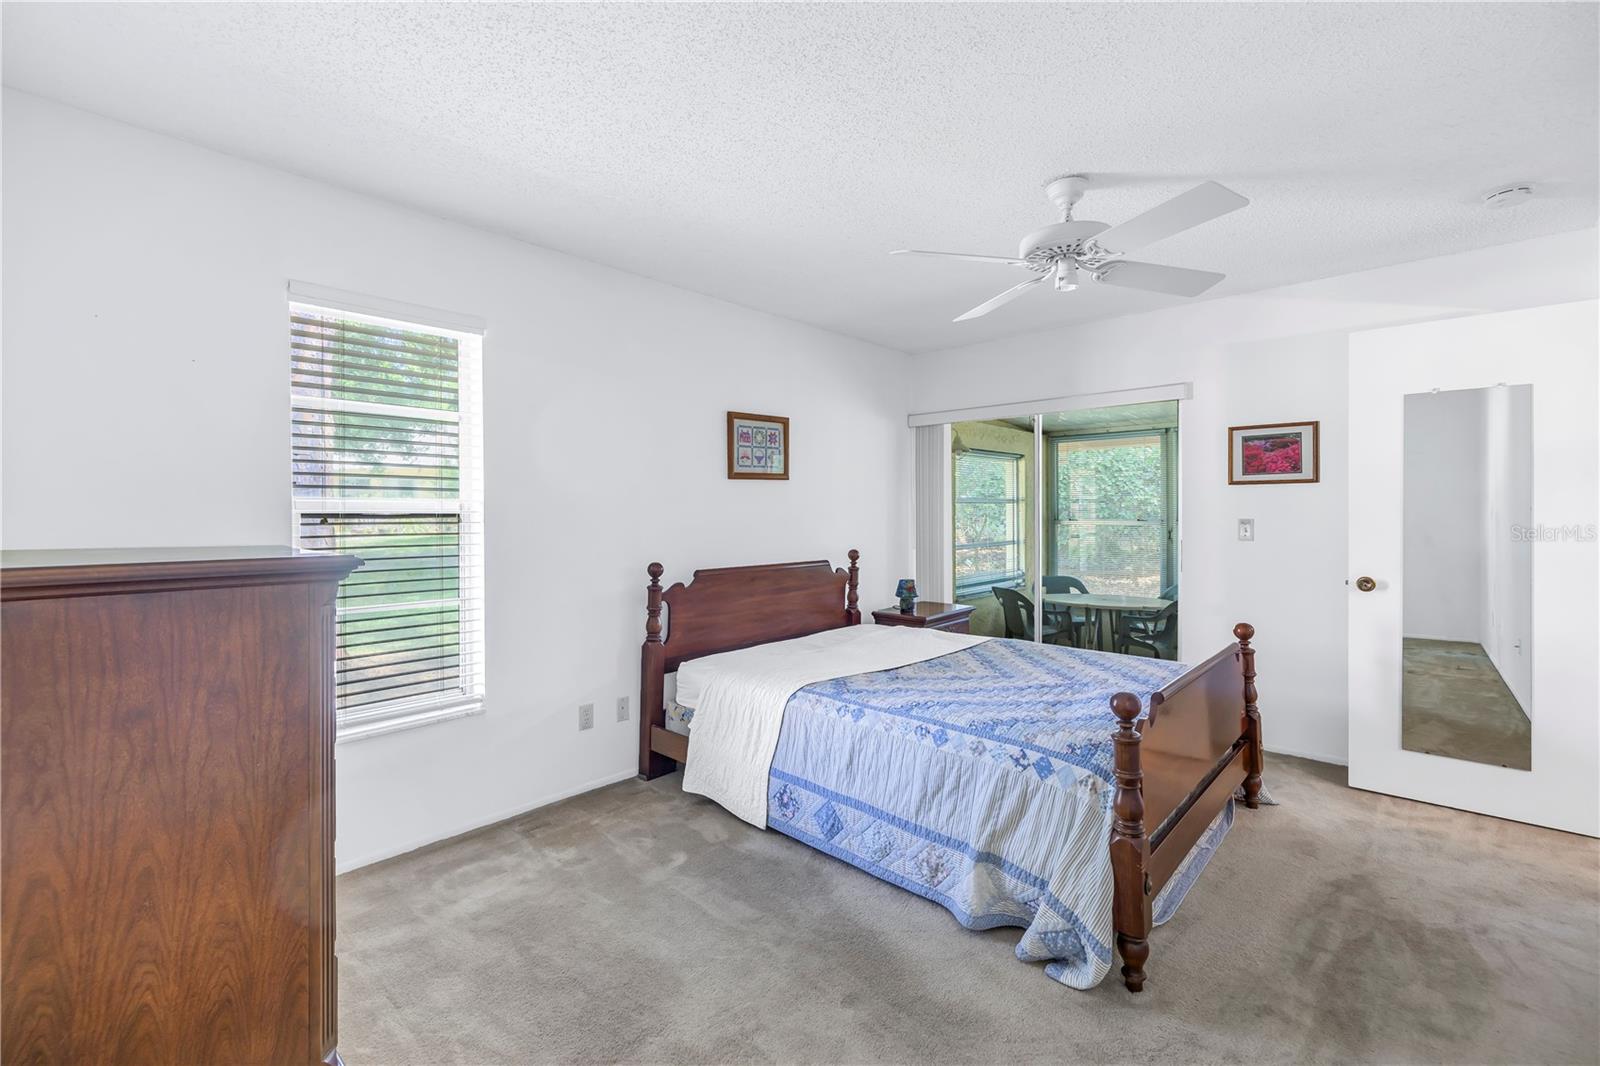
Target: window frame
1018,540
388,716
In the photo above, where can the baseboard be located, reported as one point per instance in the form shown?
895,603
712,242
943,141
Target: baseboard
1442,640
344,866
1305,755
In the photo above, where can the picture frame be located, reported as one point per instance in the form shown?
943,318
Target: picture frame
758,447
1275,453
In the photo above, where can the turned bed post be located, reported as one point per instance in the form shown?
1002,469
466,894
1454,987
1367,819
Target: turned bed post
1251,721
1130,847
852,613
652,677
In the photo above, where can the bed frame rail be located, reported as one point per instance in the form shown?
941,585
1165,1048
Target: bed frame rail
1176,768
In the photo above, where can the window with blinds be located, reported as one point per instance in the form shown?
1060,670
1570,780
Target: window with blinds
988,521
386,447
1115,507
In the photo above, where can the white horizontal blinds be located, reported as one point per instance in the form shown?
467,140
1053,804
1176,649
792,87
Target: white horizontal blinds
387,466
354,454
988,520
1112,512
400,615
351,360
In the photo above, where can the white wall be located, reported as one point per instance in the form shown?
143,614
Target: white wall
1445,481
145,389
1508,482
1274,356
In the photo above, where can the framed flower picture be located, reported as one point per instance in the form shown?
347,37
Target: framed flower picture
1277,453
758,447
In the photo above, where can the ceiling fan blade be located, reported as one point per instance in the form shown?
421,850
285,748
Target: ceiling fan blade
1153,277
962,255
1004,298
1184,211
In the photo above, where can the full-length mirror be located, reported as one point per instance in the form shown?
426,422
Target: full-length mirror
1468,608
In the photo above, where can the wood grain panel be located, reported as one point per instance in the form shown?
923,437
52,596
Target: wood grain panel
1192,723
166,844
1184,830
740,606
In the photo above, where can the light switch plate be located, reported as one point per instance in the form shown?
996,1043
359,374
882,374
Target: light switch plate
586,716
1247,529
622,708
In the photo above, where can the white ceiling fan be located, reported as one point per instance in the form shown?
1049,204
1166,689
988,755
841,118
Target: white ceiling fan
1071,252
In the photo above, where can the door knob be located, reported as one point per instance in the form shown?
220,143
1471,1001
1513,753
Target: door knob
1366,584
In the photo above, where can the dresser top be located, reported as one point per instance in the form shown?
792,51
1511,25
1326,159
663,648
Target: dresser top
14,560
27,574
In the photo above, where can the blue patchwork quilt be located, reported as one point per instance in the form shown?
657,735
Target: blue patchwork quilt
981,780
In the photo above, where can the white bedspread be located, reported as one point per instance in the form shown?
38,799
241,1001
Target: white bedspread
739,696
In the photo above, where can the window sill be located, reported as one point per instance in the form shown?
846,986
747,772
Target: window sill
980,591
415,719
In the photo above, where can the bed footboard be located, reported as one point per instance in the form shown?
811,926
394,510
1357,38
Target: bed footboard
1176,768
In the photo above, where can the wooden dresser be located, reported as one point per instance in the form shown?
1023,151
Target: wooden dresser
166,774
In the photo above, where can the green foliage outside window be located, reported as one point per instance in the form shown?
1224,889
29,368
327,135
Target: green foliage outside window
1110,513
988,520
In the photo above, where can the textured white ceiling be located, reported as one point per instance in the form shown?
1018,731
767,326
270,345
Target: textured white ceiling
772,154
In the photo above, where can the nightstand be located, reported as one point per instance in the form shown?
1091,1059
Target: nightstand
927,614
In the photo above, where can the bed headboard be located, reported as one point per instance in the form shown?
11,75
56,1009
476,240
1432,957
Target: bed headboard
729,608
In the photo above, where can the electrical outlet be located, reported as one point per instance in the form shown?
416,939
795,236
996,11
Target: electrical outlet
586,716
1247,529
622,708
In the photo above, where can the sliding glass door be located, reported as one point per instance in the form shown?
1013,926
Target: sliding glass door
1113,510
1111,545
993,547
1066,527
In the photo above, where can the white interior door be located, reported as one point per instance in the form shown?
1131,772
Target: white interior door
1553,350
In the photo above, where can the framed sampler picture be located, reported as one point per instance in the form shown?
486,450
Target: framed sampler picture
1277,453
758,447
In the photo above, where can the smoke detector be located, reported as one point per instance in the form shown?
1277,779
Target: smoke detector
1508,195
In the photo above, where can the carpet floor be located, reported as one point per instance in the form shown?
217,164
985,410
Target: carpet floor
638,924
1455,703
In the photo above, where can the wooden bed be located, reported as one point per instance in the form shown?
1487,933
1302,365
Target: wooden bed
1177,761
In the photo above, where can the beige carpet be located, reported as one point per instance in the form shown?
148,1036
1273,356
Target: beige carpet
637,924
1455,703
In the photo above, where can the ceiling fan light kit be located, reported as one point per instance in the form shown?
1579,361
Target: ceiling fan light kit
1073,252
